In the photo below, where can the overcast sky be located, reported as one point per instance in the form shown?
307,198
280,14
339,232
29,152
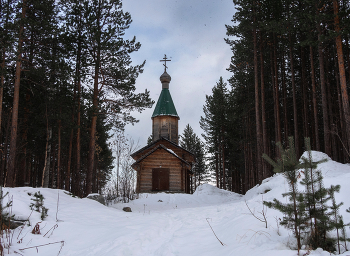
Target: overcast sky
191,33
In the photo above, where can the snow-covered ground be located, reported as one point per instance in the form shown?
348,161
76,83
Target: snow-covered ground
165,224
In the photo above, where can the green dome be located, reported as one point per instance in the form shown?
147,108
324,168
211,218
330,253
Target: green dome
165,105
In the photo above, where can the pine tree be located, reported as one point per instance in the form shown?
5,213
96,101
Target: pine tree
11,171
294,211
38,205
200,169
5,217
113,75
215,127
336,219
308,213
292,44
344,238
191,142
313,191
188,138
322,217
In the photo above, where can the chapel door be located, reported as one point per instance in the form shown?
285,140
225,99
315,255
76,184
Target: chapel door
160,179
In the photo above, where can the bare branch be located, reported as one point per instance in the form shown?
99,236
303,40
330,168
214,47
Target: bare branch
214,233
263,213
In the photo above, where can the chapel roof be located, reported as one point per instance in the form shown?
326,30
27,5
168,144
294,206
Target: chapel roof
165,105
160,146
154,143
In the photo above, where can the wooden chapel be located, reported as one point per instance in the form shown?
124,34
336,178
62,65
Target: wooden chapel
163,165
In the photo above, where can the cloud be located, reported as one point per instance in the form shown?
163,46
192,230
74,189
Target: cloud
191,33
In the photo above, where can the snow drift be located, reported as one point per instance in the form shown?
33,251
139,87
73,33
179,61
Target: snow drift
164,224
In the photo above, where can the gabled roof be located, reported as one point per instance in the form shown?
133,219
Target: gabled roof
154,142
160,146
165,105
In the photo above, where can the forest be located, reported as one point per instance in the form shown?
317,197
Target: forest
290,69
67,84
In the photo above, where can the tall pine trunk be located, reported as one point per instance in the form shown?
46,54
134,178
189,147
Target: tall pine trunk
11,172
78,147
217,170
92,146
58,181
304,89
295,110
92,143
263,111
2,83
46,170
277,102
327,146
275,106
342,75
285,101
223,161
3,70
257,111
78,84
314,100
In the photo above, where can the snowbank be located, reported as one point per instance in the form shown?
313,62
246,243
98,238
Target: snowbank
165,224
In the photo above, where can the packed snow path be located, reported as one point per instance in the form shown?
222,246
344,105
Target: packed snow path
165,224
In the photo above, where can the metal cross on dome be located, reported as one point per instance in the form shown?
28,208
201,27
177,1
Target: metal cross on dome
165,59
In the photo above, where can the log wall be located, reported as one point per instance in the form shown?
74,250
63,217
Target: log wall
161,159
166,127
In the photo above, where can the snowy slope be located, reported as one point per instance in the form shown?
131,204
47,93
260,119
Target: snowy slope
165,224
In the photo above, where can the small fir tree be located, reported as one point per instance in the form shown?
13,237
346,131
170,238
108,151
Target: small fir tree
289,165
38,205
343,236
321,214
308,214
335,223
5,217
315,199
191,142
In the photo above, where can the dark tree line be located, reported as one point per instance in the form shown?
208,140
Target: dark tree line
290,77
66,82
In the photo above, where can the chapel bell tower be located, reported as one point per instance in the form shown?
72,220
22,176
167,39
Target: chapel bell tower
165,118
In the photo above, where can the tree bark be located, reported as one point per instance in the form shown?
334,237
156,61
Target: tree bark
326,131
217,170
295,110
92,144
257,111
305,98
2,83
342,75
263,111
67,183
78,84
277,104
58,180
11,172
314,100
78,147
7,137
285,101
2,66
223,162
45,175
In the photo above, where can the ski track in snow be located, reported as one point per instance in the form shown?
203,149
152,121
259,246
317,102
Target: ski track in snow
167,224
